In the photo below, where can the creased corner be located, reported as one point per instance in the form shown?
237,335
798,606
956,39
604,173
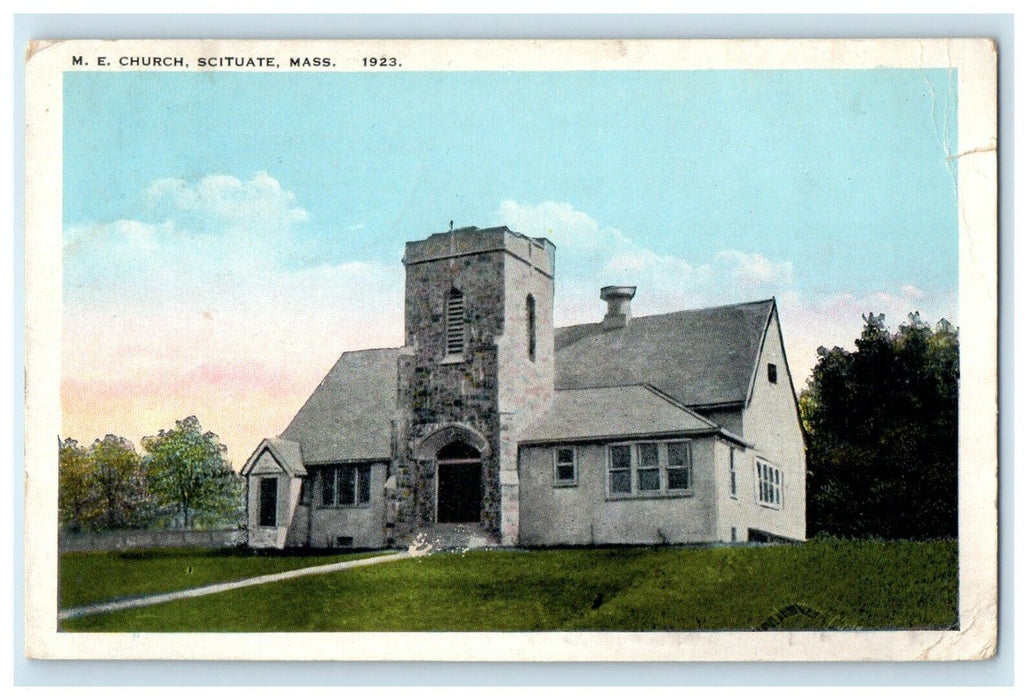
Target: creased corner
38,46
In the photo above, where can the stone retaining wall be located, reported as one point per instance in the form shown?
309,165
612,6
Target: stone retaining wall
114,540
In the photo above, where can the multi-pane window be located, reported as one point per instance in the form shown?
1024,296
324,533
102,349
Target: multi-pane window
620,469
677,474
648,472
565,470
455,322
770,485
345,485
650,468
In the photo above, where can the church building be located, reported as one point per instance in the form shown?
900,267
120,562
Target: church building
672,428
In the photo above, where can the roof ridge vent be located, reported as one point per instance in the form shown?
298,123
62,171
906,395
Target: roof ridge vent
618,306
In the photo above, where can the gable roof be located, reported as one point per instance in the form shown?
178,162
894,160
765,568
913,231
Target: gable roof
700,357
285,453
610,412
349,415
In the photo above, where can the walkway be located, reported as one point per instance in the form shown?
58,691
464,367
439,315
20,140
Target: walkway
144,601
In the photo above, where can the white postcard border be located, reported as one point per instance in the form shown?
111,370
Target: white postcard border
976,163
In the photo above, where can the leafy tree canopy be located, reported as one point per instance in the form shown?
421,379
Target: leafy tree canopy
188,473
120,482
881,433
102,487
76,496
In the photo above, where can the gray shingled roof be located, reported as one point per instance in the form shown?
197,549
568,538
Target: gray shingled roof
289,454
699,357
285,452
349,416
580,414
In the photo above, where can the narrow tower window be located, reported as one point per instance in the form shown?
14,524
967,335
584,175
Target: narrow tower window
733,475
530,308
455,323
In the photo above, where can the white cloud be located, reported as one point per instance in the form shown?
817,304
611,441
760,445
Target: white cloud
198,236
218,202
755,269
117,237
567,227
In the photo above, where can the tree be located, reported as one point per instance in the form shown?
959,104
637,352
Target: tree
76,495
187,471
102,487
881,433
121,489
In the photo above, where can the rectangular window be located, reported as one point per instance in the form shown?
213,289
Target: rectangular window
621,469
345,485
772,373
564,468
327,484
770,485
678,472
659,468
363,485
648,474
268,503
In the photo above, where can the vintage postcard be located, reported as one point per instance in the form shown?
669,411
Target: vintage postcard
511,350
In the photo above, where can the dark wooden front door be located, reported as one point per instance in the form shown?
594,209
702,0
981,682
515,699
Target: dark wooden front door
460,491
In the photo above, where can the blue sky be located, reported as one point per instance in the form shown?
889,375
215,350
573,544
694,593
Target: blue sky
222,226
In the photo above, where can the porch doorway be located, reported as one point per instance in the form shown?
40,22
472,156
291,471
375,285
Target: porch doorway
459,484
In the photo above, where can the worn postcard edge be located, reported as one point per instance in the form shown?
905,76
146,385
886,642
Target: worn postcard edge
976,157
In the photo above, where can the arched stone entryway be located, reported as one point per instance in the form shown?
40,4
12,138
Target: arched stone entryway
459,454
459,484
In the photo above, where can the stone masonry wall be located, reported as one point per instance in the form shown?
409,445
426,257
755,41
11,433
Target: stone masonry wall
526,381
439,394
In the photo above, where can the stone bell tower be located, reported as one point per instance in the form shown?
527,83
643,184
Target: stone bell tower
476,369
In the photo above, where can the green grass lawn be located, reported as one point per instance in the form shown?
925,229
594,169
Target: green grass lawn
92,577
830,584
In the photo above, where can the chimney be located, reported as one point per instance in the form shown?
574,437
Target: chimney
617,299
